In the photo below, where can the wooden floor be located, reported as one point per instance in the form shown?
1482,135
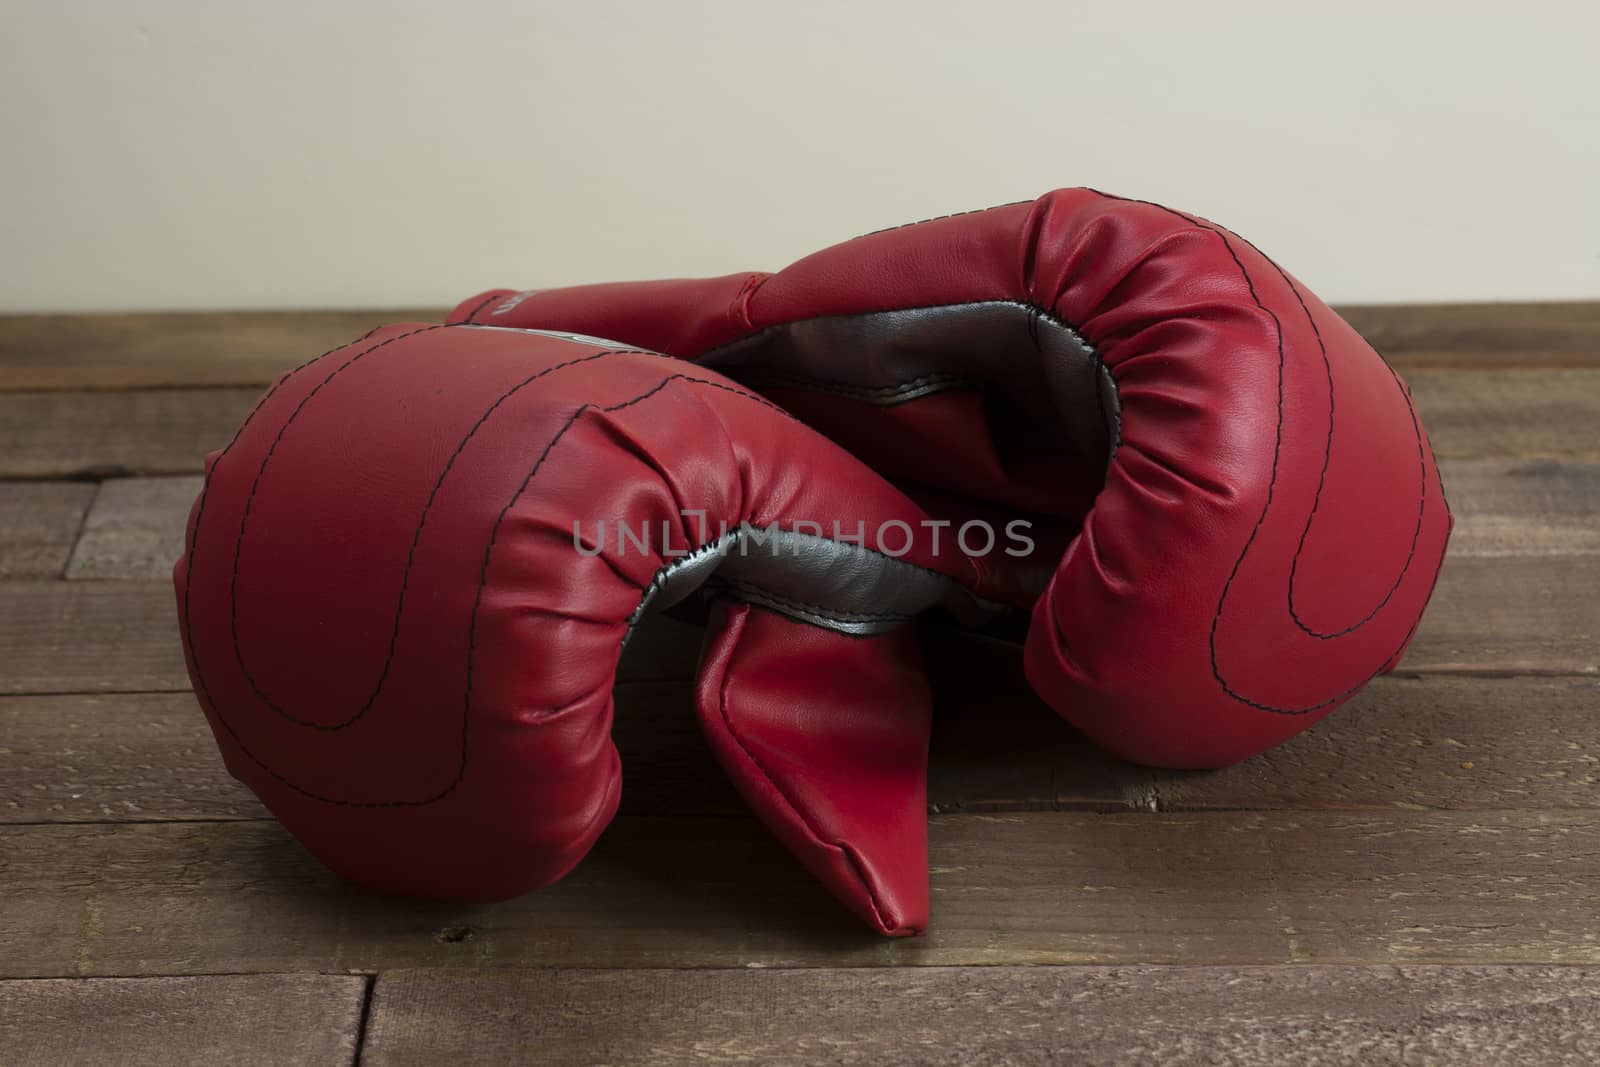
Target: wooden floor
1415,880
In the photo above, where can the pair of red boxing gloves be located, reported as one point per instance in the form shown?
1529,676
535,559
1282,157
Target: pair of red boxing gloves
411,574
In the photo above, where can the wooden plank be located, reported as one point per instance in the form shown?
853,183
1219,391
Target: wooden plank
71,637
128,757
1538,614
135,528
144,349
143,757
236,1019
150,757
140,757
149,431
38,523
100,637
1437,742
1018,1016
1482,336
1509,414
1529,614
1522,507
1468,414
1204,887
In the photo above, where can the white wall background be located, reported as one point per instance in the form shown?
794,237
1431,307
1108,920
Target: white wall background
213,153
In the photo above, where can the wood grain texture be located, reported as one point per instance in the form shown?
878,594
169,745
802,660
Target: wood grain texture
973,1016
149,349
1050,887
126,757
1536,614
148,431
1445,743
1509,414
38,523
1415,743
100,637
1529,614
141,757
263,1019
1468,415
144,349
135,528
79,637
1523,507
1482,336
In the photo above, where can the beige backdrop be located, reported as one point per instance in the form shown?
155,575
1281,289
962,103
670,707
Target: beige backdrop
190,154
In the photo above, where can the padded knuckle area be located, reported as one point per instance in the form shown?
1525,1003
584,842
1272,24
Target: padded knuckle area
399,630
1246,516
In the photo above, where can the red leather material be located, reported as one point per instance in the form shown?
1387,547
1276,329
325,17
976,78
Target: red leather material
844,787
401,650
646,314
1272,521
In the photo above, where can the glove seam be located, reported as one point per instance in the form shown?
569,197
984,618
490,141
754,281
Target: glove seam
488,548
1277,323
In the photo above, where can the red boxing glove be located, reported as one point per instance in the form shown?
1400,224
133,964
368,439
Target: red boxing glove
410,575
1249,517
